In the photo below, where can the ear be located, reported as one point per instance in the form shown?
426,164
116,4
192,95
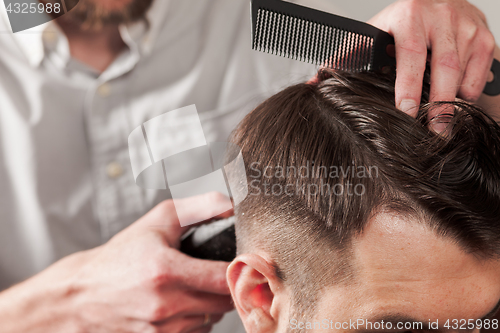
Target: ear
258,294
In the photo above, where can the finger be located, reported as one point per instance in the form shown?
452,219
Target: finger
165,216
188,323
221,203
196,302
203,207
196,210
441,122
411,56
188,303
446,75
478,69
447,67
201,275
474,80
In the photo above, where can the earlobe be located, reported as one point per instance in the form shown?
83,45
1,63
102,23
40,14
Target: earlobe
257,293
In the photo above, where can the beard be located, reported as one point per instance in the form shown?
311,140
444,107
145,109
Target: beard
94,14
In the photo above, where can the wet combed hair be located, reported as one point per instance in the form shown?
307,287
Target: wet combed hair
349,120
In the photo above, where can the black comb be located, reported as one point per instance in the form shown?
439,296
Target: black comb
302,33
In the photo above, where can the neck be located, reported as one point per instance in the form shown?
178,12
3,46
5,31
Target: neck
97,49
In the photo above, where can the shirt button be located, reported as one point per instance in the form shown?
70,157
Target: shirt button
114,170
49,36
104,90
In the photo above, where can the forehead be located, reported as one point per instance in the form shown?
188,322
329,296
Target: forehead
403,268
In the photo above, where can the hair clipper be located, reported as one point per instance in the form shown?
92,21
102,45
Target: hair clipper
212,241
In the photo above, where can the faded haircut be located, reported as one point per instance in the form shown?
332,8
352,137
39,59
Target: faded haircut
303,221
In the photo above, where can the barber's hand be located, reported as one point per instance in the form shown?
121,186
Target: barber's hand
140,282
461,44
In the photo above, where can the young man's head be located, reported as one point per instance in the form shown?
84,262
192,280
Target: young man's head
358,215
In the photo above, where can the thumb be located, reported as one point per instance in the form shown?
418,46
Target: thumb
202,208
174,217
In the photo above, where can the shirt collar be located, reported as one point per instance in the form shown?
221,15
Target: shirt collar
140,36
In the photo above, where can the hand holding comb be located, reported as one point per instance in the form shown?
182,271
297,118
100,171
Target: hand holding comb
313,36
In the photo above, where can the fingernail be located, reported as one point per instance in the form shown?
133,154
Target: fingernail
440,128
441,124
408,106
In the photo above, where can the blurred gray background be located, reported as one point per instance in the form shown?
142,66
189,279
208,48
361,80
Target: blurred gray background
363,10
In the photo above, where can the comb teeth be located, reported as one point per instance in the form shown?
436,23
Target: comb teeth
312,42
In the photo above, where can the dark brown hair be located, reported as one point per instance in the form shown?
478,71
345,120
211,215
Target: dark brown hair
349,121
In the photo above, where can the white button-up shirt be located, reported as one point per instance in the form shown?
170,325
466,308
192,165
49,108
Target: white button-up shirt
66,183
